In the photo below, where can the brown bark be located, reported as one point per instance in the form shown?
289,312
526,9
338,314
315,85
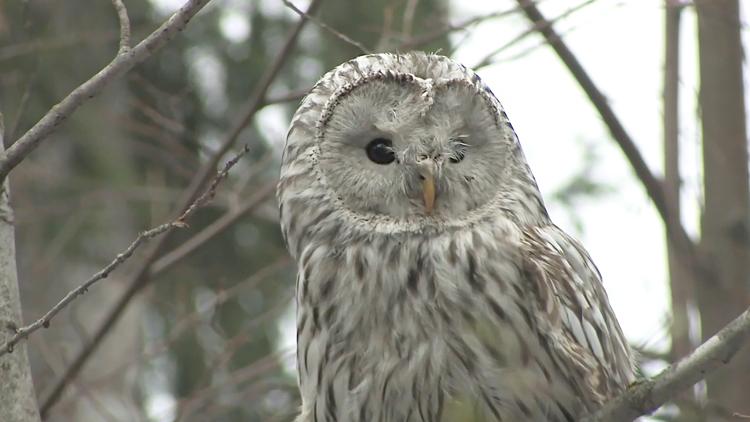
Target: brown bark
17,397
724,222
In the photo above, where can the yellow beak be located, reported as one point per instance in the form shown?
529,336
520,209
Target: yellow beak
427,171
428,190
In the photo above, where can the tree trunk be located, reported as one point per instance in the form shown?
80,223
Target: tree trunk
724,240
17,397
680,277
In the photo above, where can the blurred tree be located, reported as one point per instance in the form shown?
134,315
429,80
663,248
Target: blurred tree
118,166
725,239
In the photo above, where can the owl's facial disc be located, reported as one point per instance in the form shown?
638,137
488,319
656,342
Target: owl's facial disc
409,147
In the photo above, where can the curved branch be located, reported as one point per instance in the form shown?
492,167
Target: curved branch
122,16
125,60
645,396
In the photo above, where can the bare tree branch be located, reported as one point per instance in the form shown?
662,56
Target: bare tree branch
323,25
140,277
122,16
290,96
434,35
647,395
416,42
538,26
179,222
211,231
123,62
652,184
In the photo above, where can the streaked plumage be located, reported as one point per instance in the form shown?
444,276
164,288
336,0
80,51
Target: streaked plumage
479,309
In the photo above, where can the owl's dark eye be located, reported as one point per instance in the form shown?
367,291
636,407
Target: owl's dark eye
459,152
380,151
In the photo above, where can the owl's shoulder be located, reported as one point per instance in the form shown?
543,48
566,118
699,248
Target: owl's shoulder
574,312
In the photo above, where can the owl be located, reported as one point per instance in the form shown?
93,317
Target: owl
432,285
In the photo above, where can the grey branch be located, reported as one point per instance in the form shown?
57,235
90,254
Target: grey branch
143,237
122,16
647,395
123,62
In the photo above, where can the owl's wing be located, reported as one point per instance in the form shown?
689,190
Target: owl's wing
574,315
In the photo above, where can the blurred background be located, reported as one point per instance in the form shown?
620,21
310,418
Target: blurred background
207,331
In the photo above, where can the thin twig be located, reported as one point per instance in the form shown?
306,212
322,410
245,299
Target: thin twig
299,94
140,276
645,354
487,60
648,395
123,62
21,109
528,50
437,34
122,16
290,96
220,225
323,25
408,21
180,222
38,46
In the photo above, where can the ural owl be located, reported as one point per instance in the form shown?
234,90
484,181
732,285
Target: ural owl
432,284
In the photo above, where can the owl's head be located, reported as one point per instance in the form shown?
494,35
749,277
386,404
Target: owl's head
410,136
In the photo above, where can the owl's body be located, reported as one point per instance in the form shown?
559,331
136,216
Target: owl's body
432,285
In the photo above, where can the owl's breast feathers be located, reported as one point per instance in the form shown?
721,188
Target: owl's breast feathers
499,320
